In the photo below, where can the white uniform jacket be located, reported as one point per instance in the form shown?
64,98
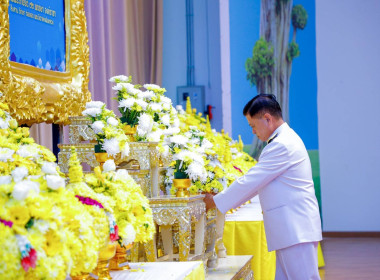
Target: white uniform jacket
282,178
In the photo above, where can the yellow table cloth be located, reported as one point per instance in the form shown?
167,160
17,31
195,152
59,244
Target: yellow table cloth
244,234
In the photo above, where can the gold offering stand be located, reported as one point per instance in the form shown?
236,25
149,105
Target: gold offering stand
170,211
79,133
142,164
79,130
85,154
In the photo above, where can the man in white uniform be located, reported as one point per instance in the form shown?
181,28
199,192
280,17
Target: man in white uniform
283,179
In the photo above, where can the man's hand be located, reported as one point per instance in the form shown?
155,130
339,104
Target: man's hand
209,200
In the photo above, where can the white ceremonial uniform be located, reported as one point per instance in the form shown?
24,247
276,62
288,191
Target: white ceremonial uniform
283,179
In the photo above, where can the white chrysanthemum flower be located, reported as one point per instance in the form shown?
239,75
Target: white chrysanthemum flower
21,189
41,225
165,119
179,108
234,151
166,150
112,121
148,94
130,235
210,174
19,173
166,106
119,78
154,136
179,140
55,182
93,112
125,150
111,146
195,141
206,144
94,104
5,180
155,107
49,168
132,90
214,163
121,175
165,100
196,171
109,165
4,124
6,154
175,122
127,103
145,124
184,155
142,103
118,87
97,127
151,86
26,151
171,131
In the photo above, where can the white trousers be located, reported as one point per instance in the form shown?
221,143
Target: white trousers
298,262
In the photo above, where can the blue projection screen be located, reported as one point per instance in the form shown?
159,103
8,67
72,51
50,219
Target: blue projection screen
37,33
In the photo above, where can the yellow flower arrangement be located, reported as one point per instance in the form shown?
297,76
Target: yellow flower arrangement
44,229
131,208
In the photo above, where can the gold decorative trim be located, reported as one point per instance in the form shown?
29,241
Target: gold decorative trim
245,273
35,95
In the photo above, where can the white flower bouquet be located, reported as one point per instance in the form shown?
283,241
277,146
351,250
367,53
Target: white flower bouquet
107,128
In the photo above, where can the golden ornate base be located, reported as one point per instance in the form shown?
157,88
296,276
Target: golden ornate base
119,258
106,253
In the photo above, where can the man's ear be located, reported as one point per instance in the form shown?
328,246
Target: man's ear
267,117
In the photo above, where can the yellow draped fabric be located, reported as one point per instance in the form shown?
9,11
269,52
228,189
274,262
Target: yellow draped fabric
197,274
248,238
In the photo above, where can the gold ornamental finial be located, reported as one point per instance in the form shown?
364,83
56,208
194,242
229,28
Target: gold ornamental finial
75,169
227,152
241,145
188,106
208,125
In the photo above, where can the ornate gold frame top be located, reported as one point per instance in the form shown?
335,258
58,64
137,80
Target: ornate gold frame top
36,95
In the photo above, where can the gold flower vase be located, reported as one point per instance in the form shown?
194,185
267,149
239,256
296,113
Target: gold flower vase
182,186
101,158
130,132
120,257
105,254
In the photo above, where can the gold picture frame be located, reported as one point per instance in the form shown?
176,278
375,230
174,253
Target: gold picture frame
35,95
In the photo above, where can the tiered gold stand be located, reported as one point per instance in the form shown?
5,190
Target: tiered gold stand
169,211
85,154
105,254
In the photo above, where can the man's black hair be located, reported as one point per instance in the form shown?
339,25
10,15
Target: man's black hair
261,104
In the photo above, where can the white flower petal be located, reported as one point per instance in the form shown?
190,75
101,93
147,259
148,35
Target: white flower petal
109,165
